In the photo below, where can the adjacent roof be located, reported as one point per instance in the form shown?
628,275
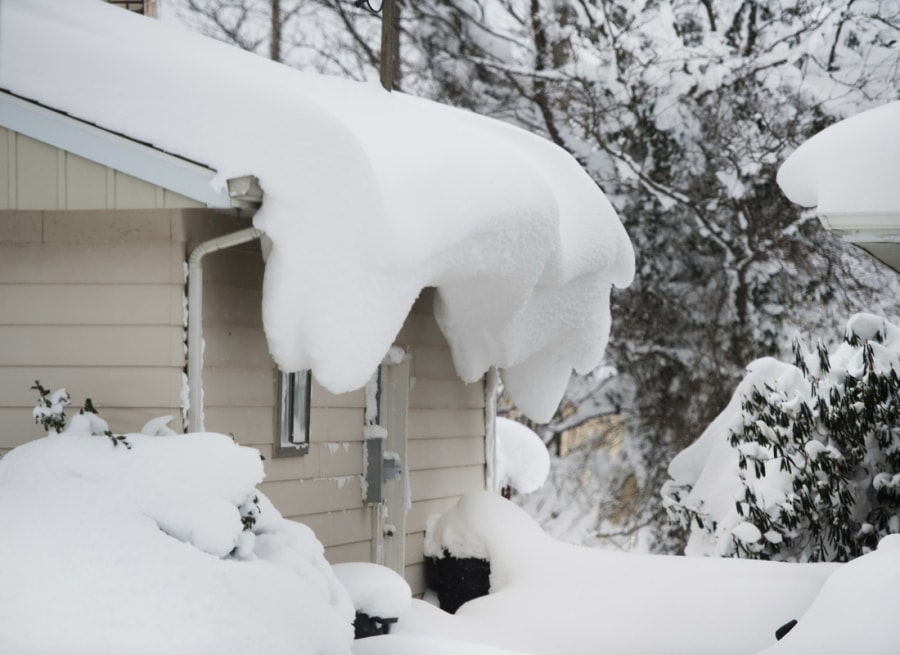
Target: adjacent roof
369,197
850,172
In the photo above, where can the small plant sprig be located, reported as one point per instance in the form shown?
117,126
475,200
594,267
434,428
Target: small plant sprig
118,439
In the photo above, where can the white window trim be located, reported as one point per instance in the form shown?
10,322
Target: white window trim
294,390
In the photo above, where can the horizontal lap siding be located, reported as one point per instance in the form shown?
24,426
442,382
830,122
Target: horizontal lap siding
446,432
91,301
321,488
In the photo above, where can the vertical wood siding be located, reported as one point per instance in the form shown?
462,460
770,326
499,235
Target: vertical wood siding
34,175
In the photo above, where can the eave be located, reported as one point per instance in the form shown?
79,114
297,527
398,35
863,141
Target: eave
113,150
878,233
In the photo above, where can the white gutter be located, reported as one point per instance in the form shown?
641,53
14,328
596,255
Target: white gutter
195,318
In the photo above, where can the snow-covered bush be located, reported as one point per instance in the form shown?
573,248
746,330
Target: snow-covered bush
50,410
804,463
523,461
166,547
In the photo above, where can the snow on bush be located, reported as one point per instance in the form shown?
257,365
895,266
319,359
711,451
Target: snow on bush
804,463
166,547
523,460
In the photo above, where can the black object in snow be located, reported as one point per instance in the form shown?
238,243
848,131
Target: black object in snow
370,626
457,580
786,628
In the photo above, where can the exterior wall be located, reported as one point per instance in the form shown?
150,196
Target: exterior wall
446,432
92,298
91,301
34,175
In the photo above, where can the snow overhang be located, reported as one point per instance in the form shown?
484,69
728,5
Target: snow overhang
109,149
370,197
850,172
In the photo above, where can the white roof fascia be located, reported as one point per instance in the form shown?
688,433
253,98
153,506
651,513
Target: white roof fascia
863,227
112,150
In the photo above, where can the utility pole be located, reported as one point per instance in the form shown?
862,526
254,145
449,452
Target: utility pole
390,44
275,43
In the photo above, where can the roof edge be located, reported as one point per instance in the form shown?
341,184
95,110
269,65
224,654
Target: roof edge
110,149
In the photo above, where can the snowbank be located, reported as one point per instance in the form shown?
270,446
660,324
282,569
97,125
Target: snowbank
549,597
369,198
161,547
523,460
856,612
850,167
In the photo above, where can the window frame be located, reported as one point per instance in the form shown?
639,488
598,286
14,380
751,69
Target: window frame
294,395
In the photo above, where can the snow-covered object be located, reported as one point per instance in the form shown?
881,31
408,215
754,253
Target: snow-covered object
523,461
709,466
548,597
369,198
159,426
86,423
708,483
374,589
850,167
110,550
856,611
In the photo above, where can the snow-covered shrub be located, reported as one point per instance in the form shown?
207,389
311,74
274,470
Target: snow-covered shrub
50,410
523,461
804,463
167,547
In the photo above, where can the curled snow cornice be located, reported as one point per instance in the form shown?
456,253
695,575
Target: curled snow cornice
369,197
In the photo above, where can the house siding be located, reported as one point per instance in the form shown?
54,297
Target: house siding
93,303
446,457
92,267
34,175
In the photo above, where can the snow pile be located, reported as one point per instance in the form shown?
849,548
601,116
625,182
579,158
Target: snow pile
856,612
523,461
549,597
850,167
156,545
375,590
801,464
369,198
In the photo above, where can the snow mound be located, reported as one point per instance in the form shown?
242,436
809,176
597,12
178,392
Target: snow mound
854,612
374,589
369,198
144,547
849,167
523,460
550,597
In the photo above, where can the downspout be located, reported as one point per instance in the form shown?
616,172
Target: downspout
491,386
245,193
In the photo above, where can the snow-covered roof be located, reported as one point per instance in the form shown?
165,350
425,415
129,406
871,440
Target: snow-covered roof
369,197
849,168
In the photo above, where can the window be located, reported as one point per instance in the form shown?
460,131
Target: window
293,413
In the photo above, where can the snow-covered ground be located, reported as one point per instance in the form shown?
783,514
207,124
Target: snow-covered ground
167,547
